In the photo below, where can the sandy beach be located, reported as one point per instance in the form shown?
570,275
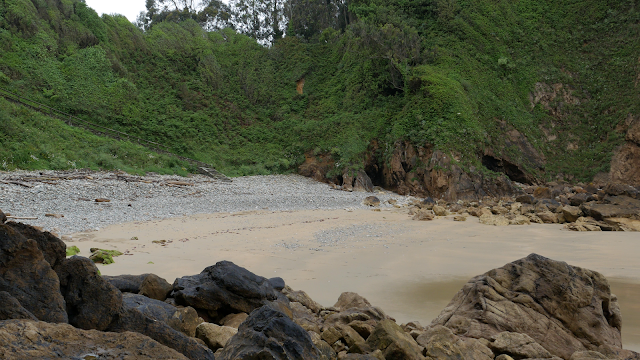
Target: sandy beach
411,269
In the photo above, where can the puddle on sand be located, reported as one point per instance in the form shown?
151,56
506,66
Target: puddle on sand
424,302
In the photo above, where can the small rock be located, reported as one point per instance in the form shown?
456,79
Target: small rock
371,201
101,200
215,336
459,218
439,210
526,199
496,220
57,216
423,215
234,320
542,193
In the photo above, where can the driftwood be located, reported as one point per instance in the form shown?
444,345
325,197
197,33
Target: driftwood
17,183
22,217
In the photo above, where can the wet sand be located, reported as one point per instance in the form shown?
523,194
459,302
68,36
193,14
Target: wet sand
411,269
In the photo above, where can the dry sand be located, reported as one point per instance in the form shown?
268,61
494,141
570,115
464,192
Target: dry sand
411,269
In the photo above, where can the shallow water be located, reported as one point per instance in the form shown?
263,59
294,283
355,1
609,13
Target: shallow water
423,301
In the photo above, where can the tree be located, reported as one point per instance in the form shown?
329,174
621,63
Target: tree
261,19
307,18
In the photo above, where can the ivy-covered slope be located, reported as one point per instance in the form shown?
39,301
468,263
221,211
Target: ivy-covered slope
536,84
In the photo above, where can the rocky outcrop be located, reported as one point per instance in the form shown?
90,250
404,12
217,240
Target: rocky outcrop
25,339
394,343
224,288
625,164
53,249
269,334
27,276
561,307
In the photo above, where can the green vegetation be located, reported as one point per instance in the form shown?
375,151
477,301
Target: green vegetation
72,250
103,256
454,74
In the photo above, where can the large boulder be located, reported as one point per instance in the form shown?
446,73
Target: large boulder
149,285
10,308
130,319
28,276
26,339
92,303
184,319
270,334
563,308
224,288
53,249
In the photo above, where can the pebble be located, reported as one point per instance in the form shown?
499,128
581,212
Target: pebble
150,198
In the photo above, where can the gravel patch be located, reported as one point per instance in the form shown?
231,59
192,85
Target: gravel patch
140,198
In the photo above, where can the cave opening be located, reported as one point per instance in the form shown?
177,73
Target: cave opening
512,170
374,171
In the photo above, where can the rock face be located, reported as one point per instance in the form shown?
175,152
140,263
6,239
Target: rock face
28,277
625,164
224,288
440,343
270,334
394,342
26,339
92,303
563,308
10,308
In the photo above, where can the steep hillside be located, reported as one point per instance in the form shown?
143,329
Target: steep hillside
537,90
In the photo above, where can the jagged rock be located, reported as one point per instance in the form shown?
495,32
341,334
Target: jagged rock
234,320
362,182
351,300
587,355
534,218
10,308
269,334
149,285
224,287
92,302
496,220
579,199
394,343
325,349
27,276
562,307
439,210
499,210
305,317
53,249
215,336
185,320
518,346
302,297
26,339
603,211
130,319
571,213
615,189
440,343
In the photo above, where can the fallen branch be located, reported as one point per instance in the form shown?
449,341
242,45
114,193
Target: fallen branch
17,183
22,217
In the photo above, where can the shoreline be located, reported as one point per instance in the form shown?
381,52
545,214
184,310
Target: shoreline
396,263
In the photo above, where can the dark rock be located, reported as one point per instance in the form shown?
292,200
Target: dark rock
27,276
133,320
26,339
563,308
224,288
550,204
10,308
185,320
603,211
3,218
270,334
277,283
126,283
149,285
53,249
579,199
92,302
155,287
362,182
